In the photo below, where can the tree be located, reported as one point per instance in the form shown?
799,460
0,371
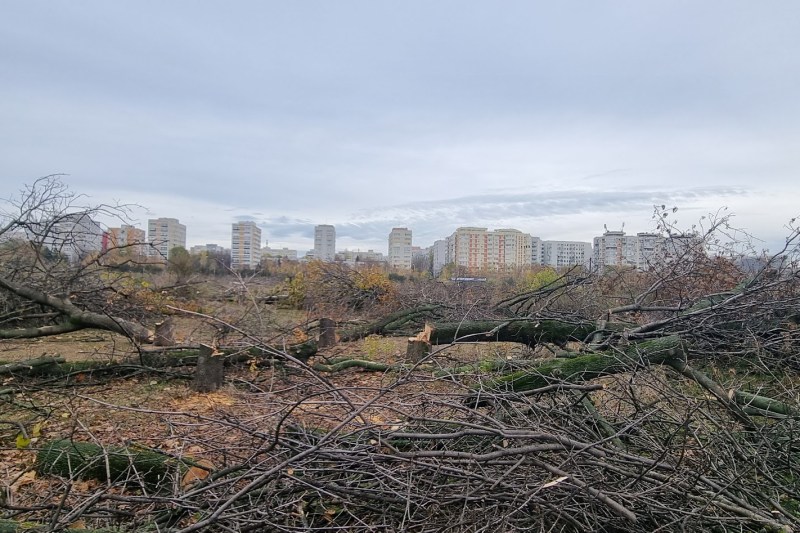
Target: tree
51,283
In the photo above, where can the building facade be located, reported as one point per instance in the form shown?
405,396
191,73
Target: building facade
74,235
127,240
164,234
400,253
325,242
643,250
245,245
559,254
477,249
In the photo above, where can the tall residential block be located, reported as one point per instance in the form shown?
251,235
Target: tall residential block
559,254
643,250
164,234
400,254
245,245
73,235
478,249
325,242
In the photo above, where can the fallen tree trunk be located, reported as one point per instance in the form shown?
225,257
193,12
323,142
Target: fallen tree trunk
524,331
86,460
30,365
401,323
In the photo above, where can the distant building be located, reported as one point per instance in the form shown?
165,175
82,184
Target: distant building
164,234
359,256
558,254
245,245
643,250
400,248
439,256
126,240
208,248
325,242
282,253
478,249
74,235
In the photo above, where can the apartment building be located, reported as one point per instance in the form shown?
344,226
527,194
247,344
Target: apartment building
325,242
439,256
478,249
208,248
74,235
127,240
245,245
641,251
558,254
400,253
279,253
164,234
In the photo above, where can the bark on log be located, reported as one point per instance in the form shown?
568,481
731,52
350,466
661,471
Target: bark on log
31,365
209,374
327,333
86,460
529,332
401,323
586,367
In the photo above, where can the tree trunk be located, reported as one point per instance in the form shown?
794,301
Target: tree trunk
86,460
402,322
30,365
327,333
209,374
529,332
417,349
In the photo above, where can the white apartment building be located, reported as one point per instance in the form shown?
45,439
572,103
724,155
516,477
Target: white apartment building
208,248
400,253
558,254
245,245
164,234
641,251
325,242
439,256
74,235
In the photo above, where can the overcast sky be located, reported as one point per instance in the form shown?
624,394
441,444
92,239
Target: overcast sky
550,117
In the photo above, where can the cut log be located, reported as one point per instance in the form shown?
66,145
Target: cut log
529,332
31,365
85,460
401,323
209,374
327,333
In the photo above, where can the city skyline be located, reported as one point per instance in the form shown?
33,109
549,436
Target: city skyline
558,119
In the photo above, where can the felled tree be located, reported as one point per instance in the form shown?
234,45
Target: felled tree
51,265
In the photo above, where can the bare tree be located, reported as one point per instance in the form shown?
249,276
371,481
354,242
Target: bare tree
51,263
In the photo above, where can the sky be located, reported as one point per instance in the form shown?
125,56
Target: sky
554,118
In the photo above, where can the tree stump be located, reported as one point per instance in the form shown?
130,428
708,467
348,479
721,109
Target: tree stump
165,333
419,347
209,375
327,333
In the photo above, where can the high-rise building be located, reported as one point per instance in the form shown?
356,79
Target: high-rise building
325,242
245,245
74,235
164,234
478,249
643,250
400,248
559,254
126,240
439,256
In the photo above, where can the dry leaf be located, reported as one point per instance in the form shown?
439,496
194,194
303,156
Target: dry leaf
197,473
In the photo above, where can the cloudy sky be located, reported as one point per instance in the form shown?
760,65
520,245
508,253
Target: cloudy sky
554,118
